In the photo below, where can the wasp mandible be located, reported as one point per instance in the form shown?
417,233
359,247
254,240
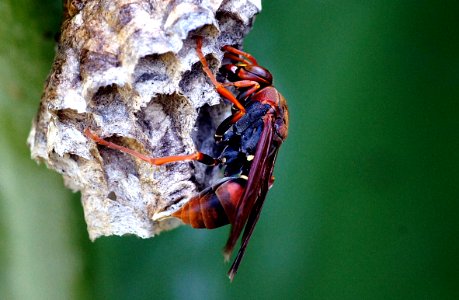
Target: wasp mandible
250,138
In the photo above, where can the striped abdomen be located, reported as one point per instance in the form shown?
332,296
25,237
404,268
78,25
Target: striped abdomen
214,206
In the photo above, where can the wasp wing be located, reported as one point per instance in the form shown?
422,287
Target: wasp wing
249,208
251,222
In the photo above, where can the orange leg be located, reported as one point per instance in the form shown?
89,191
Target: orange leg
241,60
252,85
246,55
218,86
197,156
243,84
228,122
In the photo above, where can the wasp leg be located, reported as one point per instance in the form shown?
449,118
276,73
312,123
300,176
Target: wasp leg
224,126
197,156
236,58
251,84
228,122
219,86
246,55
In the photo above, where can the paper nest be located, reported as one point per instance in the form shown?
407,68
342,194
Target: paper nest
129,71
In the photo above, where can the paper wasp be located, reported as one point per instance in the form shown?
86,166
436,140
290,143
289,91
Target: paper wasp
250,138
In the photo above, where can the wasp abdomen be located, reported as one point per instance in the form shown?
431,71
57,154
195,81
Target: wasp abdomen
214,206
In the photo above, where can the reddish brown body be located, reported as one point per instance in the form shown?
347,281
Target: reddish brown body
214,206
250,139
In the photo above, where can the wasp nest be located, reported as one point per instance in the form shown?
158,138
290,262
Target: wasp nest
128,70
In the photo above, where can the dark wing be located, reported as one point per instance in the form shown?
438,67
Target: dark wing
249,207
250,226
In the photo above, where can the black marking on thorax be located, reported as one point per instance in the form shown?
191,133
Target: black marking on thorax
240,142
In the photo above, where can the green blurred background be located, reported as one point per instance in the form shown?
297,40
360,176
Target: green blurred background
365,204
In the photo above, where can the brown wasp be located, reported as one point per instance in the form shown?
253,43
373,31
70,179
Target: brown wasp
250,139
